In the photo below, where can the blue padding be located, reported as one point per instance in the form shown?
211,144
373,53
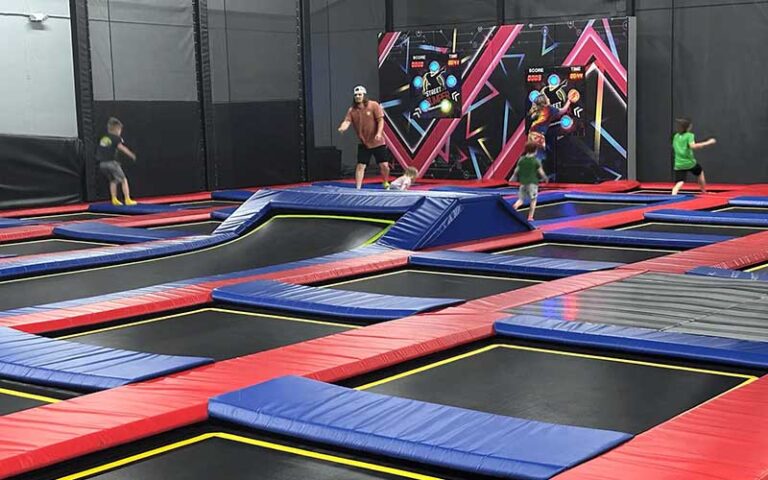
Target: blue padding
749,202
509,264
326,301
451,437
725,273
14,222
233,195
713,218
637,340
104,232
428,219
36,359
139,209
223,213
632,238
105,255
619,197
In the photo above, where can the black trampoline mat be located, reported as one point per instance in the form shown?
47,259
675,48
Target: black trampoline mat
206,204
575,208
588,252
210,332
45,246
418,283
282,239
725,230
17,396
71,217
194,228
560,387
229,456
744,210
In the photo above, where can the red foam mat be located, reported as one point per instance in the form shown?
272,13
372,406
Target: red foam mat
27,232
496,243
152,302
42,436
712,187
732,254
40,211
723,439
163,218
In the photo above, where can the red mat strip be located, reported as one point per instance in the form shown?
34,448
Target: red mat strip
163,218
40,211
27,232
723,439
185,197
496,243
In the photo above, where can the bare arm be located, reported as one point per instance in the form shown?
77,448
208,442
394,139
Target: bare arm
126,151
700,145
379,128
346,122
543,175
514,175
565,108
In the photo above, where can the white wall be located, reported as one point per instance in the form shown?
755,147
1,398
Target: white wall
37,89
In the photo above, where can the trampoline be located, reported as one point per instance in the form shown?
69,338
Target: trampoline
694,228
49,245
433,284
193,228
557,384
214,332
602,253
18,396
72,217
282,239
744,210
573,208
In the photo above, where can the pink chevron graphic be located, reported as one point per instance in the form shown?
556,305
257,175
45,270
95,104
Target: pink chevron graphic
473,84
505,162
589,46
385,45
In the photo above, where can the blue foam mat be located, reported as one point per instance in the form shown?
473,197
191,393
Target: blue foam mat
223,213
725,273
105,232
632,238
636,340
747,201
14,222
232,195
138,209
510,264
326,301
32,358
456,438
713,218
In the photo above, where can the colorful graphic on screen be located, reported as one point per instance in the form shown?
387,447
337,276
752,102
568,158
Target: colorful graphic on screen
487,138
435,86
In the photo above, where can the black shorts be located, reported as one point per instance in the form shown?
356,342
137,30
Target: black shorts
680,174
381,154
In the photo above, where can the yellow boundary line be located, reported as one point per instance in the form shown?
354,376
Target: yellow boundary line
248,441
207,309
747,378
29,396
213,247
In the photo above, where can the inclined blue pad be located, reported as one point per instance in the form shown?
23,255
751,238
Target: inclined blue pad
749,201
223,213
326,301
233,195
105,232
632,238
636,340
105,255
725,273
712,218
139,209
14,222
27,357
620,197
509,264
428,219
439,435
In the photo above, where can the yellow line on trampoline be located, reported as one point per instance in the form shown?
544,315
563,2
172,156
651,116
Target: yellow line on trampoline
757,268
747,378
207,309
29,396
248,441
213,247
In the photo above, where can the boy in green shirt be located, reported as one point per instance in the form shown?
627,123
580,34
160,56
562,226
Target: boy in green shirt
684,143
528,171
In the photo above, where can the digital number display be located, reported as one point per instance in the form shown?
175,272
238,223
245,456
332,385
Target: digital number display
417,64
576,76
535,78
454,62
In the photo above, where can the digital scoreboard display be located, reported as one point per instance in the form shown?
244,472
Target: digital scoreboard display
560,84
435,85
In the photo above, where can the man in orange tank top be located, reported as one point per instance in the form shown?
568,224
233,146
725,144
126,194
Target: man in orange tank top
367,117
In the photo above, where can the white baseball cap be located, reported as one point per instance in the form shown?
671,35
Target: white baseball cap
360,89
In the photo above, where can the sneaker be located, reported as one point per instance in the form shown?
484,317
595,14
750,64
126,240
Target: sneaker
130,202
116,202
386,185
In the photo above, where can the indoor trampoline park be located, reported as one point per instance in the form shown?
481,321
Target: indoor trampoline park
383,239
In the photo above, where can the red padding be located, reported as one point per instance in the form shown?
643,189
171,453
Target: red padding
40,211
497,243
26,232
147,303
732,254
612,186
712,187
608,220
163,218
723,439
42,436
544,290
463,183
